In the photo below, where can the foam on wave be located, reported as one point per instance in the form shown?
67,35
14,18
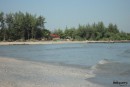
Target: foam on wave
109,67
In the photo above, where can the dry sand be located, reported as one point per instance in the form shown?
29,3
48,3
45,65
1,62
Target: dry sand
19,73
40,42
59,42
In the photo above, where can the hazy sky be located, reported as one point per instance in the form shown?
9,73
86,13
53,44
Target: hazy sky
71,13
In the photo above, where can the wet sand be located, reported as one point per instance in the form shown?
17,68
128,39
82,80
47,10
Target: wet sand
19,73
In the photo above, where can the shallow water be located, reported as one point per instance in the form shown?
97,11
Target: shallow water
79,54
108,61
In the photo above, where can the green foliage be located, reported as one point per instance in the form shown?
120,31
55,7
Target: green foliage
24,26
70,33
94,32
46,33
60,33
113,28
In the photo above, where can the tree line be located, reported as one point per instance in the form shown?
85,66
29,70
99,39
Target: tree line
22,26
25,26
95,31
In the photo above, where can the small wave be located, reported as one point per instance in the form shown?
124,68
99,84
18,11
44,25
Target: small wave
125,73
104,61
101,62
110,67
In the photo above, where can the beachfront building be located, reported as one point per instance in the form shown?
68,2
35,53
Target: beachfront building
55,36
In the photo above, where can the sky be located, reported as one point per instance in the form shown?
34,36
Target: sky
71,13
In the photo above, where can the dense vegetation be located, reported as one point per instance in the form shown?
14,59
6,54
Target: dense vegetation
22,26
93,32
25,26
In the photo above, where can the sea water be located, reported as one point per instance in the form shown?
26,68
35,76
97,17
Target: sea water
110,62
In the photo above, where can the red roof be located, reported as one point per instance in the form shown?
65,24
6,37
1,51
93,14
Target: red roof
54,35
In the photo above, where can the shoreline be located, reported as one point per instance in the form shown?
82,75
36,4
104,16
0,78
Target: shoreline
20,73
59,42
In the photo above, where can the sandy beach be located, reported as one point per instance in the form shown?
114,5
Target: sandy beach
39,42
19,73
59,42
